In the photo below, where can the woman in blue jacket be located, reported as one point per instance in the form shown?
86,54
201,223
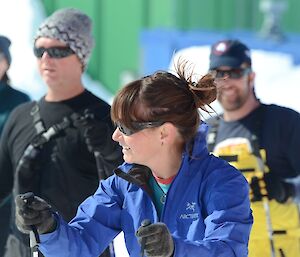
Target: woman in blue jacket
190,203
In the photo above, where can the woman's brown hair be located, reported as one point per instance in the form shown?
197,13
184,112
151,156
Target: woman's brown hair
165,97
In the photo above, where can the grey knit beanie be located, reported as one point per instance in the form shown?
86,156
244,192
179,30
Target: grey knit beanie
72,27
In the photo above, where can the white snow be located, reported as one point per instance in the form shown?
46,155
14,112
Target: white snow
277,78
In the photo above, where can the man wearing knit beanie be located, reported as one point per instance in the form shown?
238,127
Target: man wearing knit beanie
72,27
59,147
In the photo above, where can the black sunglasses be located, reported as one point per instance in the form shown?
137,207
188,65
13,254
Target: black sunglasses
138,126
53,52
232,73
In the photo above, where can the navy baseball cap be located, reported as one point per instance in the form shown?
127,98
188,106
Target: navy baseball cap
230,53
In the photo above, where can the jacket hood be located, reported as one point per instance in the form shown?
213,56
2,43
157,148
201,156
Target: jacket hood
199,142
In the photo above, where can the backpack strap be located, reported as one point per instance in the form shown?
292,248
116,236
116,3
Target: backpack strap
43,135
37,120
256,135
214,124
213,131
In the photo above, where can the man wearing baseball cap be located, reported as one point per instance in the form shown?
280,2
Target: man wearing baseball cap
50,147
263,142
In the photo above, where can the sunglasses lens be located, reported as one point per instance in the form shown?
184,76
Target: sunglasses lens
219,74
38,52
233,73
138,126
53,52
59,52
236,74
124,130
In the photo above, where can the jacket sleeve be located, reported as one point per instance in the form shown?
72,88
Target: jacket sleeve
112,158
95,225
6,169
112,155
228,219
291,143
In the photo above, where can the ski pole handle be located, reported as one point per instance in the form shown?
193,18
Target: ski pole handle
144,223
28,199
33,235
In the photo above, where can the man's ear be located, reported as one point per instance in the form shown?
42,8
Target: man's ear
251,78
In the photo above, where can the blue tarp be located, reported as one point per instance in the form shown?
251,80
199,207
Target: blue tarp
159,45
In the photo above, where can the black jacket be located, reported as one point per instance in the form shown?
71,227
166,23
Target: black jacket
65,171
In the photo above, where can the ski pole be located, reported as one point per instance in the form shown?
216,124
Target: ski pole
144,223
99,161
33,235
257,154
109,252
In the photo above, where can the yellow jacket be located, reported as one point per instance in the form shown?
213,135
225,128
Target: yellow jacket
279,223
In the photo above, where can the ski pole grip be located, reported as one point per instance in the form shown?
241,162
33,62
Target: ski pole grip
34,239
144,223
28,197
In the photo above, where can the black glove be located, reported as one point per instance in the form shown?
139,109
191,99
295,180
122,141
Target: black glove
96,136
275,187
157,240
36,212
96,133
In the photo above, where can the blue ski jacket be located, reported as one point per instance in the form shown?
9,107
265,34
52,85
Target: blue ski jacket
207,211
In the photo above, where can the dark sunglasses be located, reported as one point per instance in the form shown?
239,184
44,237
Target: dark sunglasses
53,52
138,126
232,73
